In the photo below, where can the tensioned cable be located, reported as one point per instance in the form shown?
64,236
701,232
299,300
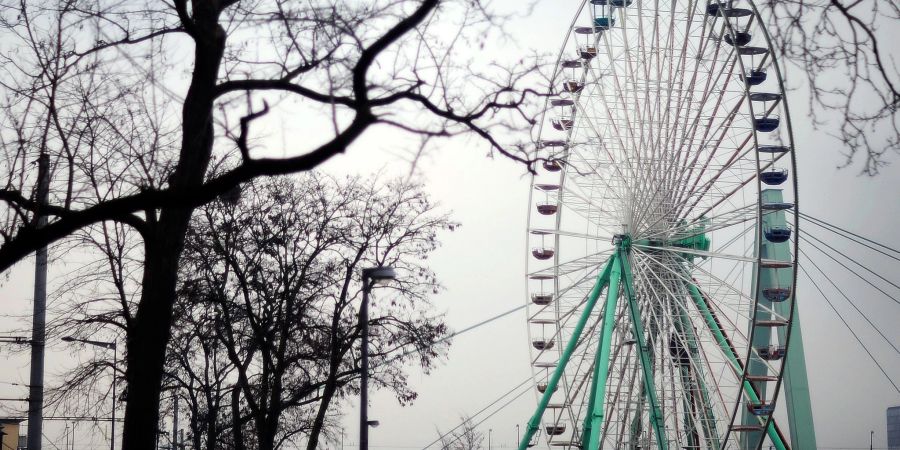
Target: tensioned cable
855,272
526,380
850,238
856,262
464,330
841,291
815,220
502,407
858,340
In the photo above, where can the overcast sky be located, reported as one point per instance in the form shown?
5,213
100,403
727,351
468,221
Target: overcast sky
482,264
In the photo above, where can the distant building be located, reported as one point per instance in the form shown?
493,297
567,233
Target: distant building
893,428
9,433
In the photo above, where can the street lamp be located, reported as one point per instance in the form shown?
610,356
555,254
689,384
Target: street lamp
871,439
108,346
370,277
490,431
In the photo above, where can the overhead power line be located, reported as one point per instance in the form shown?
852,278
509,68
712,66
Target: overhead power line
458,333
498,400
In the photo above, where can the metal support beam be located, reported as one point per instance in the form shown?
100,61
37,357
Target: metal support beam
598,363
535,422
592,433
796,384
708,417
656,418
728,350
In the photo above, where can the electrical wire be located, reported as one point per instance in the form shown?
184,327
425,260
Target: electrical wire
858,340
519,386
878,330
458,333
502,407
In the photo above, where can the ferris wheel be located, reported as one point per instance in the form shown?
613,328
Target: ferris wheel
662,233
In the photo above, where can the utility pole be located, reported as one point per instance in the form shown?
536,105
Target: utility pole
370,277
175,424
38,322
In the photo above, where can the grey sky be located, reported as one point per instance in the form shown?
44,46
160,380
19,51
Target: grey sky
483,264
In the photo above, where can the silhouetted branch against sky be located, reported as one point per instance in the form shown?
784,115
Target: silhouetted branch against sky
148,110
101,88
846,50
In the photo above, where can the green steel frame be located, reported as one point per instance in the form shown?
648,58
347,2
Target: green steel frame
728,349
656,417
796,384
618,279
535,422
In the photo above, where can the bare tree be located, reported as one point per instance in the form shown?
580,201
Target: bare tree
269,296
145,110
850,69
464,437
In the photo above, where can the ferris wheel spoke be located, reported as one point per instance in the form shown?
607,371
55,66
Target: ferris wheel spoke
573,265
668,133
655,149
614,126
663,294
746,180
705,224
693,382
720,284
701,253
695,117
572,234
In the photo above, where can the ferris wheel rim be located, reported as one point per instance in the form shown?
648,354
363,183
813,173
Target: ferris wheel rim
759,212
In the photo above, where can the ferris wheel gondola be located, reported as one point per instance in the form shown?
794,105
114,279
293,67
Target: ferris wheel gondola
662,231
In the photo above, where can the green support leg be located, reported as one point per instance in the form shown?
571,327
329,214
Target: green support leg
725,345
656,417
796,390
796,384
603,341
593,432
535,421
586,428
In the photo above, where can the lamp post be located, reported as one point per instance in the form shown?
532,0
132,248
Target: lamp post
871,438
109,346
517,435
369,278
490,432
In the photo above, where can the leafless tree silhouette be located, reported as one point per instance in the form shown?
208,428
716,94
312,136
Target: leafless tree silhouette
267,315
465,437
845,50
146,111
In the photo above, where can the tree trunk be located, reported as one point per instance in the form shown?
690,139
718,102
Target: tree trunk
336,355
237,433
164,239
149,336
319,422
